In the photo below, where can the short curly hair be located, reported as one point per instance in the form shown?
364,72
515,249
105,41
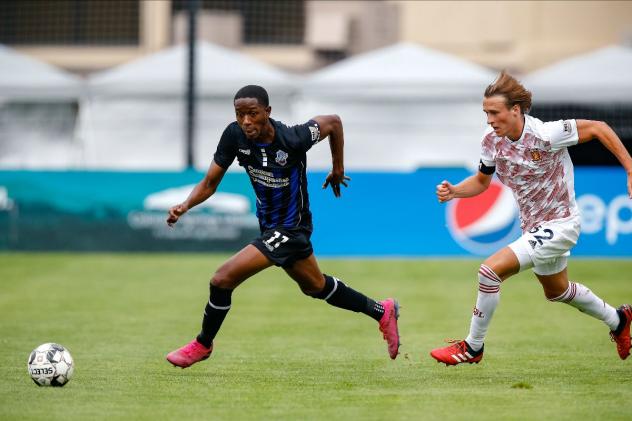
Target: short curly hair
253,91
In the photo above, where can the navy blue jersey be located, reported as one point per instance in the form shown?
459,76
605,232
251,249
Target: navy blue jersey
276,170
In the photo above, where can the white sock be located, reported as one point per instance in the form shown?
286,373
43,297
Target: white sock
583,299
488,298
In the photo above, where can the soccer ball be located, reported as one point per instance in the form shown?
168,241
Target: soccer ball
51,365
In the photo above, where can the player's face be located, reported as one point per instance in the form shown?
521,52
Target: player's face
252,117
504,120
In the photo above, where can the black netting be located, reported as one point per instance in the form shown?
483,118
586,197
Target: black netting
69,22
618,116
264,22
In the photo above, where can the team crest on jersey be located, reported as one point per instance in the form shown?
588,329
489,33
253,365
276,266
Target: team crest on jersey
281,157
315,131
532,244
535,154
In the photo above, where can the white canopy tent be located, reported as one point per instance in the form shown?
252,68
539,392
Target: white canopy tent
221,72
38,109
136,114
402,107
25,78
598,77
398,72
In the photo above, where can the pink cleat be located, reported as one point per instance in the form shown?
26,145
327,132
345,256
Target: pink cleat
388,326
189,354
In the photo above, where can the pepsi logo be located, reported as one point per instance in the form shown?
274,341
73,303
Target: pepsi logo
485,223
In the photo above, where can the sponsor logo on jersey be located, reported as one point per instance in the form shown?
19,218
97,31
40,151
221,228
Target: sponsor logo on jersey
315,131
535,154
245,151
568,127
281,157
485,223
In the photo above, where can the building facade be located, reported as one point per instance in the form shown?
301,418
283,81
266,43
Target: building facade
302,35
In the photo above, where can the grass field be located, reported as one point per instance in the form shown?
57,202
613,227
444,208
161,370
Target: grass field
281,355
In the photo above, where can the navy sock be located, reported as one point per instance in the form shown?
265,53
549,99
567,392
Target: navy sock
340,295
214,313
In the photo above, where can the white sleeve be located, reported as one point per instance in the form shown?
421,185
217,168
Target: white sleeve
487,160
487,149
562,133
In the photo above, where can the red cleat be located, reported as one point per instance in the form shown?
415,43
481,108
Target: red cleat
388,326
622,337
189,354
457,353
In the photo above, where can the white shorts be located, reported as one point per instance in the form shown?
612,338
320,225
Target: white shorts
545,248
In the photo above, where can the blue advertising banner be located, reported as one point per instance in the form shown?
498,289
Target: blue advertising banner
399,215
380,214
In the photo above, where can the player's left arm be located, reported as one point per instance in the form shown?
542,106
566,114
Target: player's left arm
331,126
591,129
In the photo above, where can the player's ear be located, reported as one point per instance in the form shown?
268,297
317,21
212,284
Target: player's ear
268,111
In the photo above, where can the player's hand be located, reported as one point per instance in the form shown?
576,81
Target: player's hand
175,212
335,179
445,191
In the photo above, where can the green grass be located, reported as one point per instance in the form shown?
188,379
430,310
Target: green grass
281,355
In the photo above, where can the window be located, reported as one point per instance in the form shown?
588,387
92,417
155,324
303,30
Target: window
264,22
69,22
619,117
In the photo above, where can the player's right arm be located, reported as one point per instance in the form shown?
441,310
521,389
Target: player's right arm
471,186
223,158
477,183
331,126
589,129
202,191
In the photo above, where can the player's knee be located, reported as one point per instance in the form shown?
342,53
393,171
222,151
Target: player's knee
222,279
219,281
488,280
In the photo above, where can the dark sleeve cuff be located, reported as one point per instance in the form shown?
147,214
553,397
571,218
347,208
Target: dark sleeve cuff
485,169
221,163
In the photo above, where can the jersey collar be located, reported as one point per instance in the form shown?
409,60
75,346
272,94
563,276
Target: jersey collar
276,133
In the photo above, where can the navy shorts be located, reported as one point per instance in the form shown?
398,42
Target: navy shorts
284,246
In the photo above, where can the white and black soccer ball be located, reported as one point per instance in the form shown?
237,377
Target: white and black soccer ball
51,364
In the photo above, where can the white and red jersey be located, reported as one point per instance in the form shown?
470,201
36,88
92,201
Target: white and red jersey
537,168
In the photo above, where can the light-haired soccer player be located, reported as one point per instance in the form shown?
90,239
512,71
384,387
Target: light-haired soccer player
274,156
531,158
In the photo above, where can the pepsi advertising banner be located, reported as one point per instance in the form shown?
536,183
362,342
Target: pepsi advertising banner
386,214
379,214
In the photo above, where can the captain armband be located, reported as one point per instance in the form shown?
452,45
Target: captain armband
485,169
